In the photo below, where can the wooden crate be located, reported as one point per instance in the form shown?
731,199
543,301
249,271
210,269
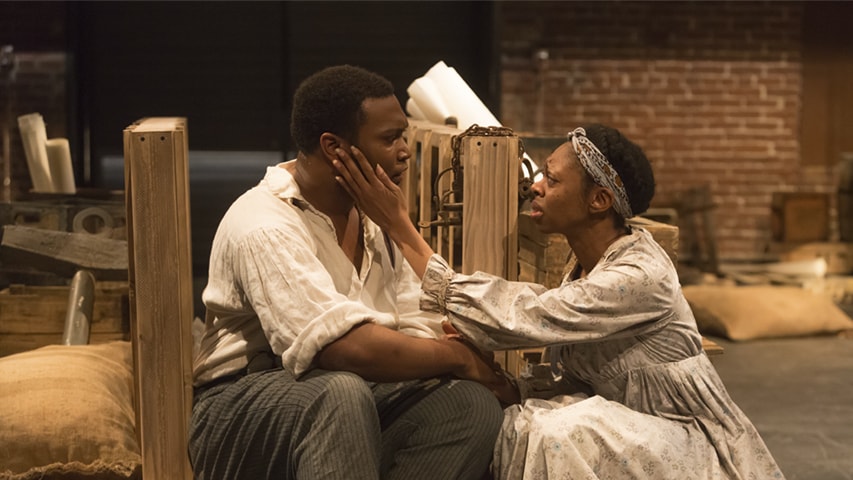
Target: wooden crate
432,150
34,316
542,257
800,217
486,238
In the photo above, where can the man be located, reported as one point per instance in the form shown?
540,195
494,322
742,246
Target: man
316,361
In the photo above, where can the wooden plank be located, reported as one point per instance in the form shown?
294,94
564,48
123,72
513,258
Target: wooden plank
425,179
711,347
432,145
42,309
64,253
441,149
161,303
490,216
447,235
412,176
490,208
826,96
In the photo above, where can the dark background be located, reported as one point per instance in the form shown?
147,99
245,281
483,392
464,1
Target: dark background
231,68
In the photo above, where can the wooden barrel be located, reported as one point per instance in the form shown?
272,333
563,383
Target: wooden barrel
845,198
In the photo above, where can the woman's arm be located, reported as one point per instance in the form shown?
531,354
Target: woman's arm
383,201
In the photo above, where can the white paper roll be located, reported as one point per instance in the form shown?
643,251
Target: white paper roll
429,99
414,110
61,170
34,137
460,98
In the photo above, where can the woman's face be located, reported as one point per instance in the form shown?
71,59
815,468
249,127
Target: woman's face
561,197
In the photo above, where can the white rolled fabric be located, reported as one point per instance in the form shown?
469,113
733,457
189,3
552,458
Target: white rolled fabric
464,104
429,99
61,170
34,137
414,110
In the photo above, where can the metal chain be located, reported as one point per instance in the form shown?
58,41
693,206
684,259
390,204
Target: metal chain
444,208
476,130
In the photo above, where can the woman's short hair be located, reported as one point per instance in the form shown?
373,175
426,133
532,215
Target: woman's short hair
330,101
630,162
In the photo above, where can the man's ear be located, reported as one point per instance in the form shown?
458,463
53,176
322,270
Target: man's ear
601,199
328,143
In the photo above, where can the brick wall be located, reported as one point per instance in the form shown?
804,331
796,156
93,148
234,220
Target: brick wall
711,90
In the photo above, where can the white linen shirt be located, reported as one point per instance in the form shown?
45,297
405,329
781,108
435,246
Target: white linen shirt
279,280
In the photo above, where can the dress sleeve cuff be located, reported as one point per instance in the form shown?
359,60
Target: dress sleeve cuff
436,280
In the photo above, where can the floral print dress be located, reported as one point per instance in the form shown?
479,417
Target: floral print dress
641,399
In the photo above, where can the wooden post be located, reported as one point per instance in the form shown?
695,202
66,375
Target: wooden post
490,206
160,291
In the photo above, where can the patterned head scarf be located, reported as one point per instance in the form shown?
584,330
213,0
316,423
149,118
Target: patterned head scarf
601,171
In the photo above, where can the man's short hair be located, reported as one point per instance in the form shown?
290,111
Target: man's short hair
330,101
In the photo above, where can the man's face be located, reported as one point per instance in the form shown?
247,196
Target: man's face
380,138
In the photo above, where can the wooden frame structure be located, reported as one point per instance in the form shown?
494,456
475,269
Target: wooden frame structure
432,153
486,238
160,291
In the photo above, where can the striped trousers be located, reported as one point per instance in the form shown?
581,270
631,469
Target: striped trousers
335,425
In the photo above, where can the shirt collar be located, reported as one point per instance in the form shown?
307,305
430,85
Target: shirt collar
281,183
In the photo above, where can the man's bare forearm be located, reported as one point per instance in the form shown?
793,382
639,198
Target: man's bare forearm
380,354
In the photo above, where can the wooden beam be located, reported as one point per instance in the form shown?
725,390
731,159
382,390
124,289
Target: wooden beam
160,291
490,207
64,253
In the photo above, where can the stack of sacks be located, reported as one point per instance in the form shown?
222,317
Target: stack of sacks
49,160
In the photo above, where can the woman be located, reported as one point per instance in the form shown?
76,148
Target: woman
642,399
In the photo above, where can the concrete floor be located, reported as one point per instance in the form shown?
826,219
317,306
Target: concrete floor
798,392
